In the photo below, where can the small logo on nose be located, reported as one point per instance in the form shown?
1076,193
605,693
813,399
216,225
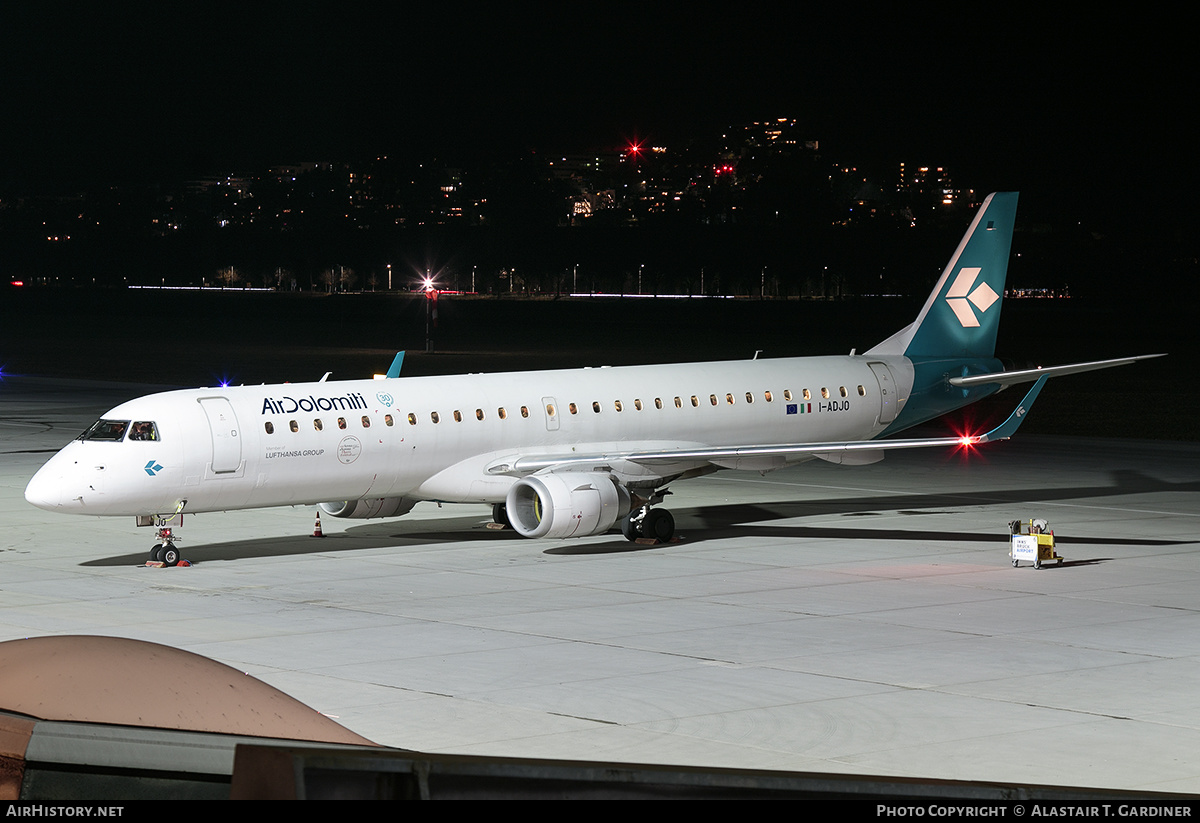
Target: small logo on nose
152,468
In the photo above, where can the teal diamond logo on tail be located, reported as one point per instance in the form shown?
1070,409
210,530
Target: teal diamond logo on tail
961,298
152,468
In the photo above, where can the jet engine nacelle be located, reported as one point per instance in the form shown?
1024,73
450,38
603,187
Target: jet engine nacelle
368,507
567,504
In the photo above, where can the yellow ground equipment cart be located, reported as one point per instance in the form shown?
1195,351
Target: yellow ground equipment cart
1032,540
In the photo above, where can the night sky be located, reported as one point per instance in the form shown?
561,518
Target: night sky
1095,112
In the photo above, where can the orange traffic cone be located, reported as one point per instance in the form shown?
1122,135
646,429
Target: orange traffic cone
317,528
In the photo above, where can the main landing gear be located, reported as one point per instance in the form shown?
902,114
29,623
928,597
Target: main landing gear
645,523
649,524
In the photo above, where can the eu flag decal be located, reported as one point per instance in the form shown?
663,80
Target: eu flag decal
791,408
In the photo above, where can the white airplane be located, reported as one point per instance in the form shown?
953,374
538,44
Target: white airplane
565,453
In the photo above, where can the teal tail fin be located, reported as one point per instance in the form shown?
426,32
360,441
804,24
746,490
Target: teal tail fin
397,362
962,315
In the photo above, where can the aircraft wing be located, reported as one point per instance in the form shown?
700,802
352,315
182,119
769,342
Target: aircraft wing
536,463
1008,378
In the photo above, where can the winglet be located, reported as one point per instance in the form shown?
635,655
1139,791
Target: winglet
397,362
1009,427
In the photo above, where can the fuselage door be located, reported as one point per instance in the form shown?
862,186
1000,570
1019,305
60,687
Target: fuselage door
226,438
550,406
888,396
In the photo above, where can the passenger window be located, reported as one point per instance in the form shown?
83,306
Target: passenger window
293,425
341,422
695,402
366,421
479,414
458,415
502,413
843,391
144,430
550,411
617,405
824,392
387,419
679,403
749,397
434,416
270,427
573,408
862,392
596,407
524,411
767,396
787,395
807,395
317,424
412,419
637,404
729,399
658,402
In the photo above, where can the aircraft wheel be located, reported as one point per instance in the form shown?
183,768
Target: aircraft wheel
500,514
1014,564
170,555
659,525
1037,564
156,553
630,530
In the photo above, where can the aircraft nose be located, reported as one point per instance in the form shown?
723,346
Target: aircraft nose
45,488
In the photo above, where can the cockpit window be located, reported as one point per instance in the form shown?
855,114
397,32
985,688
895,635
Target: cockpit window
143,430
111,430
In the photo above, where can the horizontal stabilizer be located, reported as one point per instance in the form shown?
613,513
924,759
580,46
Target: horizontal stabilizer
1009,378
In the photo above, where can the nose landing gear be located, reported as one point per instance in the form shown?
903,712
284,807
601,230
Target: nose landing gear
164,550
